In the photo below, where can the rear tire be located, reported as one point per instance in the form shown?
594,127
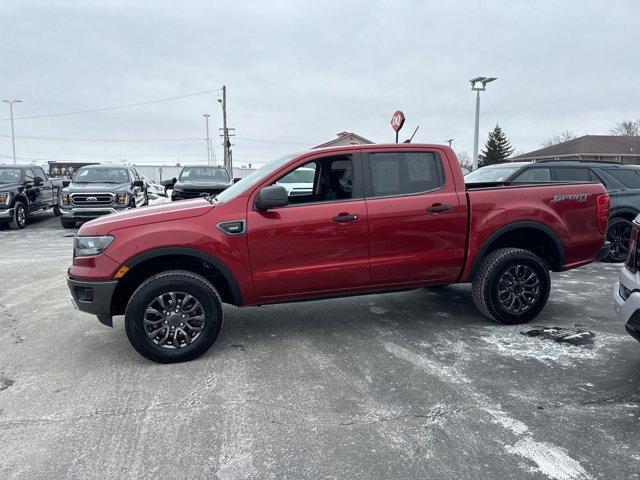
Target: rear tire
67,223
512,286
19,219
160,335
618,233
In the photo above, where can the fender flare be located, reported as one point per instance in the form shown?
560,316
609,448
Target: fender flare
515,226
192,252
616,212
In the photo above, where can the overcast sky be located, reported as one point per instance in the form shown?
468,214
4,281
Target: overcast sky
298,72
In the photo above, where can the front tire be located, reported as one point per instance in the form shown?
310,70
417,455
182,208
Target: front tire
618,234
511,286
173,316
19,219
67,223
56,211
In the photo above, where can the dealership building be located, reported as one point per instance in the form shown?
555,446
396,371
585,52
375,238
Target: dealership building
608,148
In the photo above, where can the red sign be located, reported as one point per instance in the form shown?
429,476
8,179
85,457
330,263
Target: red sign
397,120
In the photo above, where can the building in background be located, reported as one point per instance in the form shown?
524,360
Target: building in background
609,148
345,138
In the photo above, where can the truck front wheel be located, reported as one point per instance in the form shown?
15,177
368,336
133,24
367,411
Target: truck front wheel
512,286
173,316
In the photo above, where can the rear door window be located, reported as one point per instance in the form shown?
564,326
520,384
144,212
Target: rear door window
534,175
403,173
571,174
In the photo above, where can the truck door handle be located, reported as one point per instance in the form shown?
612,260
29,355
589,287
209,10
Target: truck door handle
438,207
345,217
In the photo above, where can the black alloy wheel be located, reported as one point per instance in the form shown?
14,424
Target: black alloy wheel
618,234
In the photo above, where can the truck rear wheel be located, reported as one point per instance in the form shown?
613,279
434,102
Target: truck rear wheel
512,286
173,316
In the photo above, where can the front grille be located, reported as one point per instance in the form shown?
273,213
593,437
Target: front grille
199,193
82,199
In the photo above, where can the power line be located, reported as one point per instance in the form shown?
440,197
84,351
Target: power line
102,109
151,140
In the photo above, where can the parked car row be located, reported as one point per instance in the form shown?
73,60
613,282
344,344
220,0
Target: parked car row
622,183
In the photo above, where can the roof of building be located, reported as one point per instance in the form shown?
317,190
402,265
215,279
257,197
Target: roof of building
600,145
344,135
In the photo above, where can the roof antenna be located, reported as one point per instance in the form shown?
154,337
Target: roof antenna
408,140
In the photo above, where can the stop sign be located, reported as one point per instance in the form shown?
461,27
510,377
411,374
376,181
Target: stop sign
397,120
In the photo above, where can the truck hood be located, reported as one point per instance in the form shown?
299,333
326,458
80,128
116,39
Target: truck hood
9,186
97,187
145,215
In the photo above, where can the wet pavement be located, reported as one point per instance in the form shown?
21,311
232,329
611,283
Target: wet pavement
404,385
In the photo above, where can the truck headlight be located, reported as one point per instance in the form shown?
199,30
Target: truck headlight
5,198
122,198
64,199
86,246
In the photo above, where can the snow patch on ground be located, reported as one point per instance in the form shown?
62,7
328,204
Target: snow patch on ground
550,460
509,342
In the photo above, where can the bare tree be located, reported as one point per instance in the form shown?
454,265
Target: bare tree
626,128
560,138
464,159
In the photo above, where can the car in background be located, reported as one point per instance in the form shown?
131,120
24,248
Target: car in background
199,181
25,189
299,182
154,189
626,291
622,183
98,190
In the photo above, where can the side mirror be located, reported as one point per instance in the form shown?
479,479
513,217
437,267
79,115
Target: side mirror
66,183
174,180
138,183
272,197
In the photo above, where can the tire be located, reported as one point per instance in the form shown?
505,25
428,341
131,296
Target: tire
56,211
618,233
67,223
144,314
503,275
19,219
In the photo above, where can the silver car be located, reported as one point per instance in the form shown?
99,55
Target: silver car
626,291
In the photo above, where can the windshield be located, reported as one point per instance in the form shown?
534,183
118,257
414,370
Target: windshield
10,175
491,174
204,174
101,175
253,178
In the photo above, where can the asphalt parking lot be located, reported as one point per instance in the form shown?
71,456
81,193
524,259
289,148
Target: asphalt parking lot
405,385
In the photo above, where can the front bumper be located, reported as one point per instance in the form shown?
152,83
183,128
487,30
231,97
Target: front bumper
6,214
93,297
83,213
626,297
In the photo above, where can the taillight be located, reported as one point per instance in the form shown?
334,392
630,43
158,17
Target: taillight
602,212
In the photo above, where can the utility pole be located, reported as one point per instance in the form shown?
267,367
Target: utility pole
228,159
13,135
208,139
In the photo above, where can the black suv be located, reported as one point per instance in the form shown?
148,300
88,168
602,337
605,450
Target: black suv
25,189
196,181
98,190
621,181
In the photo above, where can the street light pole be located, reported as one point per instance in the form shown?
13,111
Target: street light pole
206,117
13,135
479,84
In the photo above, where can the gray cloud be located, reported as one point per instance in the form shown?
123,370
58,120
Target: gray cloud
301,71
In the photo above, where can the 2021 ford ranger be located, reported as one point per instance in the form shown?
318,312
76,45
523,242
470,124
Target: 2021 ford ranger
379,218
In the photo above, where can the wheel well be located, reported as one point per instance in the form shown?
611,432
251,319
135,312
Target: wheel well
626,214
532,239
145,269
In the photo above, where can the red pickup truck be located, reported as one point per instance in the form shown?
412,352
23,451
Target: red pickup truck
376,218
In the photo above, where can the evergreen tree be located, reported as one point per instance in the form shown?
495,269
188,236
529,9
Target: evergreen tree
497,148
